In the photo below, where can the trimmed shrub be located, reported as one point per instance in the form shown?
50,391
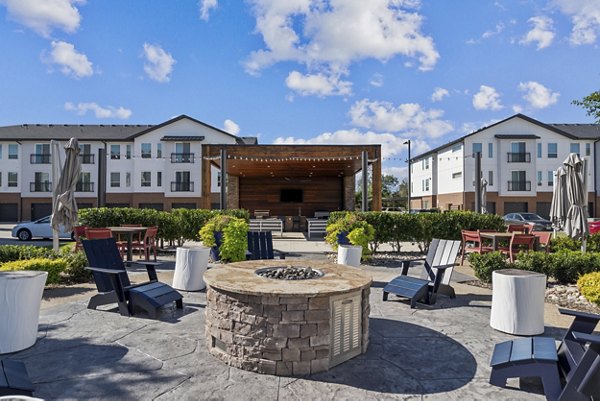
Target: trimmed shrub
589,286
564,242
485,264
9,253
54,267
567,266
540,262
75,271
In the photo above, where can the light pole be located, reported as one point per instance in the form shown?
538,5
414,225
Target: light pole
407,142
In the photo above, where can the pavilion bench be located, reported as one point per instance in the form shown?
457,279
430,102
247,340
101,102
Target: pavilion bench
316,226
14,379
269,224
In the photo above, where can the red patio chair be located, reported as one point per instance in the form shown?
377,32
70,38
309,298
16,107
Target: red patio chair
543,239
517,228
103,233
149,243
518,243
471,243
78,232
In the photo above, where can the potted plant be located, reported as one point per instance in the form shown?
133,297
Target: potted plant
354,229
227,236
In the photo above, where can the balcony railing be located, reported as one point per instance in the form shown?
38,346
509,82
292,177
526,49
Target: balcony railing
45,186
86,158
521,157
519,185
182,158
84,187
39,158
177,186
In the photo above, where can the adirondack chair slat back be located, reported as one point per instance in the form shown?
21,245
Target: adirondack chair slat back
260,245
431,253
590,385
104,253
444,253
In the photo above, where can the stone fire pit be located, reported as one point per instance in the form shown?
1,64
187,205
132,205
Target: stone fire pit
286,327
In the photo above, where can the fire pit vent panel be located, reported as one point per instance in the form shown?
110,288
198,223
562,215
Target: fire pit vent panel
346,324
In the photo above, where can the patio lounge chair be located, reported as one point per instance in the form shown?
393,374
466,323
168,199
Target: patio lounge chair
575,362
438,267
113,282
260,246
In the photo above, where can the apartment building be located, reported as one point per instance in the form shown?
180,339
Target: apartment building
145,166
519,156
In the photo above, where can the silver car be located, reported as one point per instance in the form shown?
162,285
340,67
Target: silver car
540,223
37,229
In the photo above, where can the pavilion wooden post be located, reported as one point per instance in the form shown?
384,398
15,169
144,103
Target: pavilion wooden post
376,184
223,198
365,181
205,195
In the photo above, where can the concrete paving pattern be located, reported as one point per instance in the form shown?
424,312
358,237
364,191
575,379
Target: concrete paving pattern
438,352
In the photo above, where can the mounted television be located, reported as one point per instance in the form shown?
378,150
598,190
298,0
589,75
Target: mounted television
291,195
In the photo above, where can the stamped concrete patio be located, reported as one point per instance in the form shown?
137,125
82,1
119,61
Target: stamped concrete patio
440,353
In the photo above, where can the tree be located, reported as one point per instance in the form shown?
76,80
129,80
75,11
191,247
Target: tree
389,186
591,103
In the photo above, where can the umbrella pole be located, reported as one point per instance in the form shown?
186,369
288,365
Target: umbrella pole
55,240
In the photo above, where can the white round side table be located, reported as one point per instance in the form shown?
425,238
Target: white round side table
190,265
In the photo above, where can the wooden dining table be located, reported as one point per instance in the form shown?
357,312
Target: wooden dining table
496,237
129,231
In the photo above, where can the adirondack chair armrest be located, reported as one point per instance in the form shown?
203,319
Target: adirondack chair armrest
280,253
580,315
150,268
444,267
584,338
406,264
107,271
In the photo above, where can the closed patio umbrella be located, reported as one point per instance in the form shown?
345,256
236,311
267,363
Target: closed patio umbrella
64,206
484,184
559,205
576,225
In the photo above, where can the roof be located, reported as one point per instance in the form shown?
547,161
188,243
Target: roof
91,132
572,131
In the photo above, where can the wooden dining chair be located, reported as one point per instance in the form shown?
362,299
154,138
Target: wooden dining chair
148,243
78,233
518,243
104,233
516,228
139,235
471,243
543,239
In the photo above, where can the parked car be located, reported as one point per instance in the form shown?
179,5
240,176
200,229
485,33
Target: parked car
37,229
540,223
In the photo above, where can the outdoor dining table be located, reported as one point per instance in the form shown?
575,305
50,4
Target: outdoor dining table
129,231
496,237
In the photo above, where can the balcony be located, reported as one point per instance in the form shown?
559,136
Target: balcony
84,187
177,186
39,158
521,157
86,158
519,185
44,186
182,158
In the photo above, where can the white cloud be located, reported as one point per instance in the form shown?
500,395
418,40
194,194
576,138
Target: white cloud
498,29
332,34
585,15
71,62
537,95
517,108
400,172
542,32
318,84
376,80
81,109
410,119
205,7
159,63
487,99
45,16
439,94
231,127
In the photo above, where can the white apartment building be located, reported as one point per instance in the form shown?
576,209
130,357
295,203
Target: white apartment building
122,165
519,158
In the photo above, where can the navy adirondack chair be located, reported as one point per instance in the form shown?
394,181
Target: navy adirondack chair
114,286
438,267
260,246
576,362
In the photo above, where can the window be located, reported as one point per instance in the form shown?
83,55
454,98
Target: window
218,179
477,148
588,149
146,178
0,178
517,147
422,185
456,147
552,151
128,179
115,152
518,181
0,151
550,178
490,178
146,151
42,148
13,152
574,148
539,150
115,180
490,150
84,184
159,150
457,175
159,179
13,179
42,182
539,178
128,151
427,163
425,204
427,184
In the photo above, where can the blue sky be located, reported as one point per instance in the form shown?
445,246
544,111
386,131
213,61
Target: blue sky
301,71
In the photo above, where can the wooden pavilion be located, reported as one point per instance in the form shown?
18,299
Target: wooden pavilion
292,180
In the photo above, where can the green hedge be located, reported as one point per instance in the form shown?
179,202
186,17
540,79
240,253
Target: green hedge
565,266
589,286
421,228
176,225
54,267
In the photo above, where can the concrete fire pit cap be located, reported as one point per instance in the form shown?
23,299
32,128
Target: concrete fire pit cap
240,278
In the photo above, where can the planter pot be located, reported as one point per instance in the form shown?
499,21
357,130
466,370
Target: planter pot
342,238
214,251
349,255
190,265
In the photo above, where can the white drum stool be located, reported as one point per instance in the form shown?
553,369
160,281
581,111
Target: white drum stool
190,265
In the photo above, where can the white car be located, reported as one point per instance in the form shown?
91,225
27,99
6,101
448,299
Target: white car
40,228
